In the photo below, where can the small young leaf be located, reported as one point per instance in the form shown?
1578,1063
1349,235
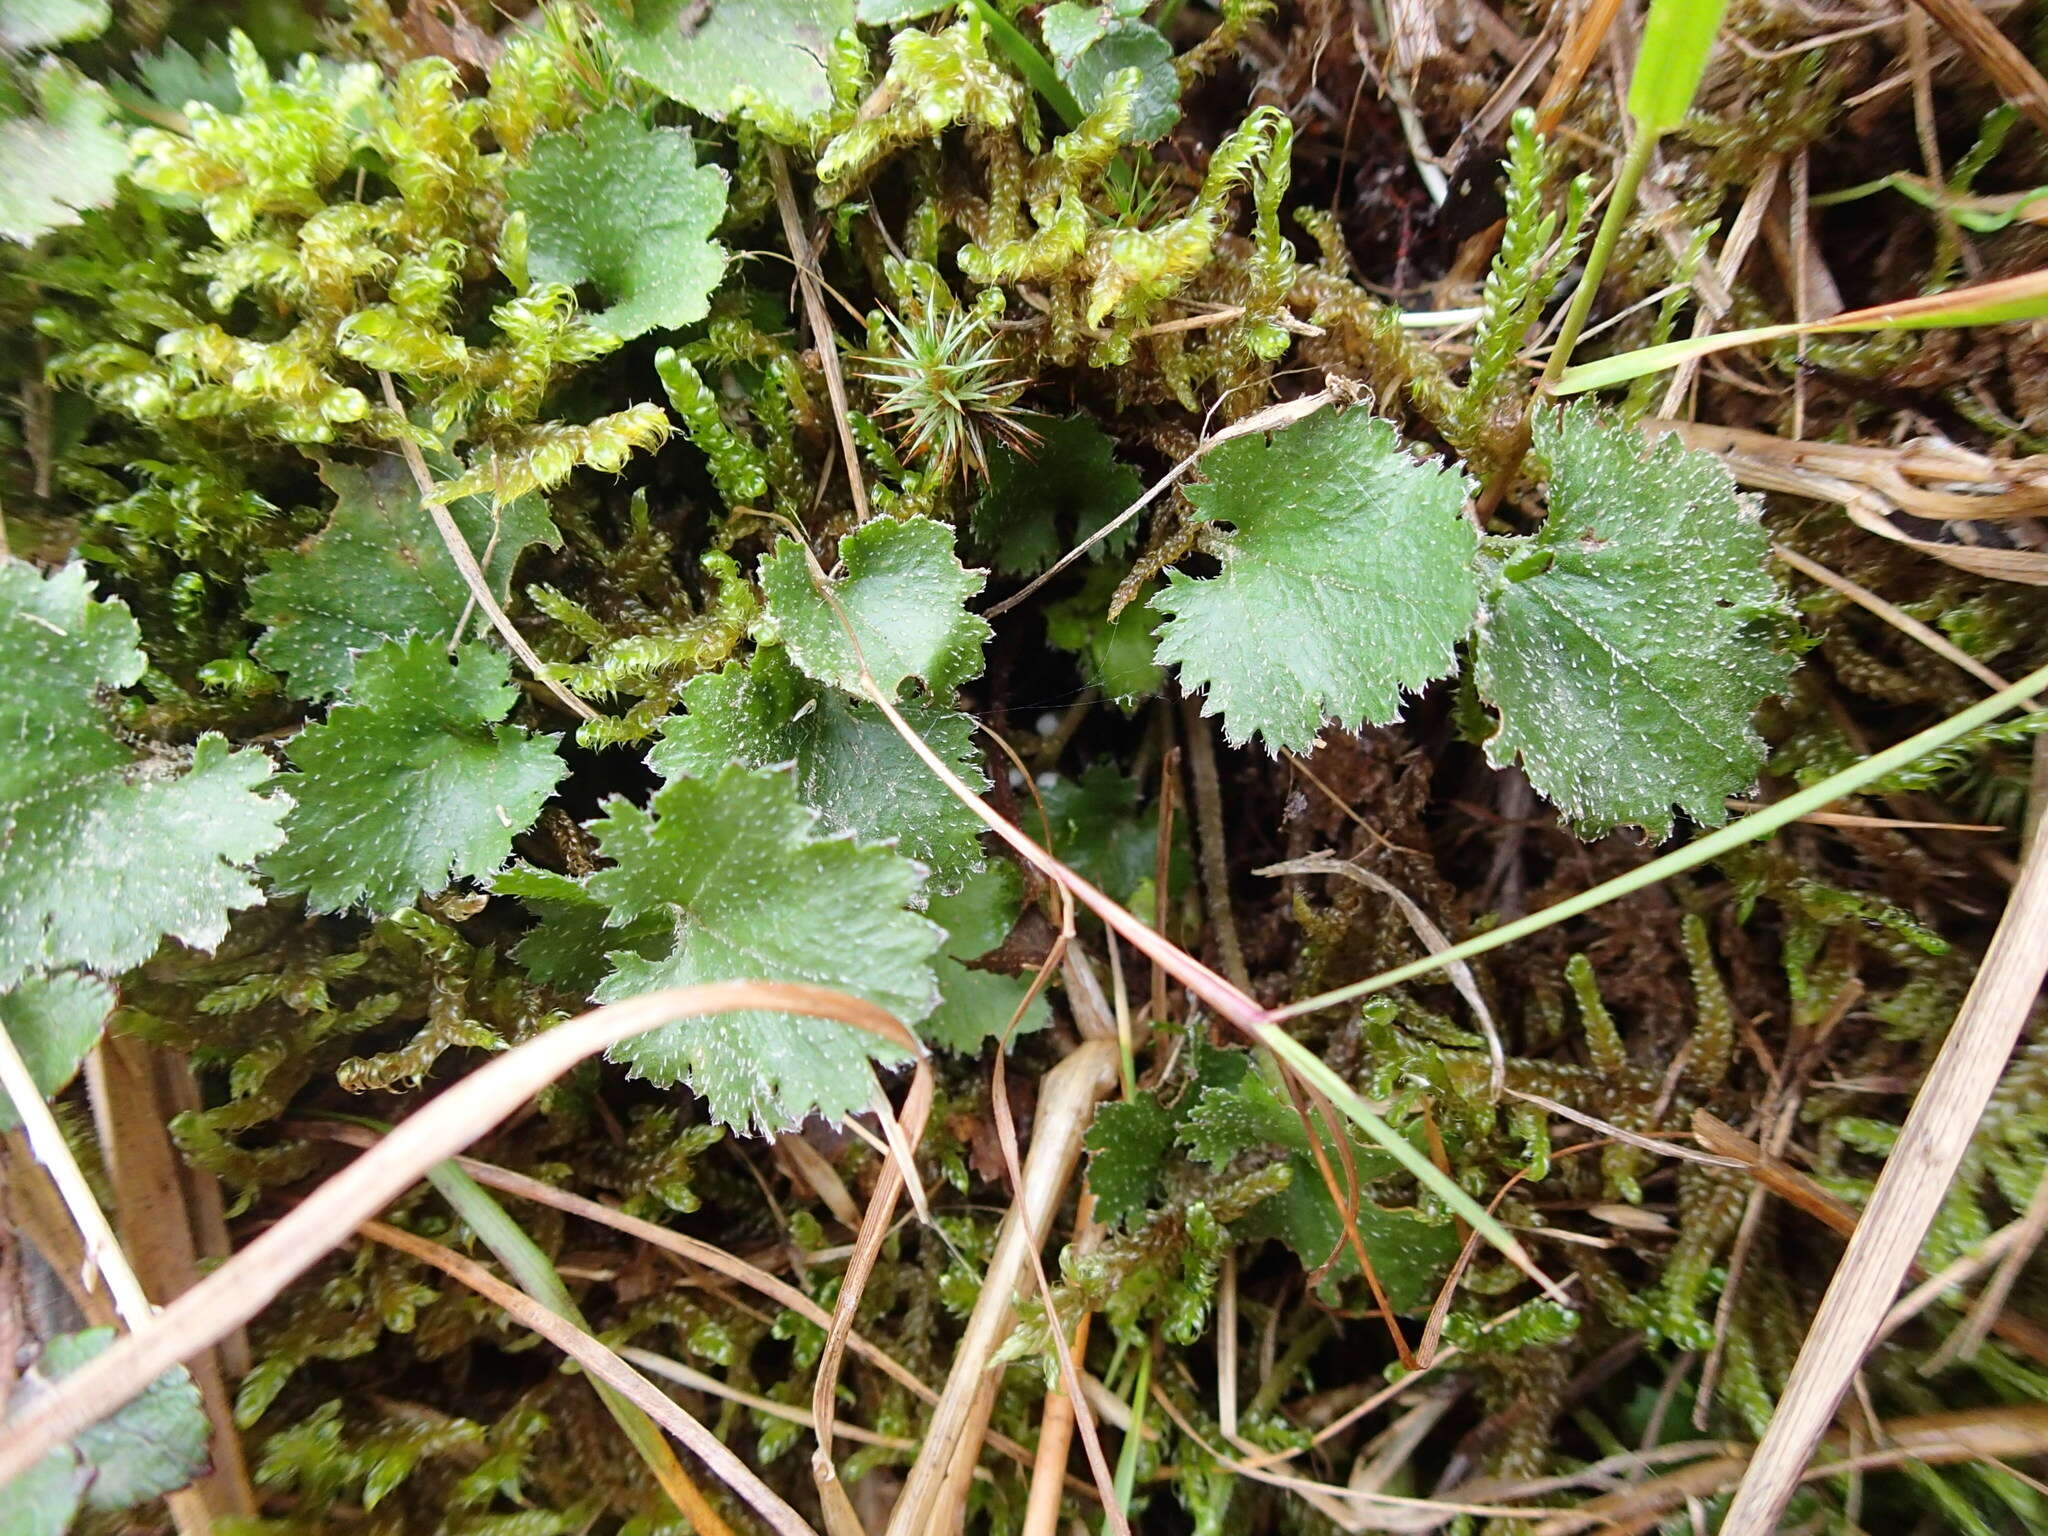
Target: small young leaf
1097,830
1115,654
851,766
974,1005
54,1021
57,162
1235,1110
104,855
412,781
903,594
626,209
1092,44
1627,644
1040,503
378,571
753,893
730,55
1126,1146
1346,581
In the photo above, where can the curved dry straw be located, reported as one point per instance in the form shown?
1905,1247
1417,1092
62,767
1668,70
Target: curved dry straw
233,1294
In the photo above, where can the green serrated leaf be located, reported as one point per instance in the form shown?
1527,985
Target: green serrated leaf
27,25
725,56
851,766
412,781
977,1006
153,1445
1127,1144
175,77
626,209
43,1500
1229,1116
734,861
1627,667
1041,503
378,571
54,1022
103,854
1346,581
571,946
60,160
1115,654
904,595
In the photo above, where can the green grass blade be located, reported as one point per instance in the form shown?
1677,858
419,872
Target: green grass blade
1712,846
1033,65
1624,366
2024,297
1677,37
535,1274
1314,1070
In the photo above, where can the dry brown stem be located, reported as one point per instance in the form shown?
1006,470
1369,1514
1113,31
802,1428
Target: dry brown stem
1908,1194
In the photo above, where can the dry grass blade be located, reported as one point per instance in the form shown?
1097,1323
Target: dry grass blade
1893,615
1066,1098
1978,1434
128,1081
1617,1133
1877,823
1094,1027
823,338
702,1381
605,1366
1581,48
1952,1277
1056,1418
2026,1237
1930,479
1352,1509
241,1288
46,1140
1803,1193
1995,53
1433,940
840,1518
1909,1192
465,561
